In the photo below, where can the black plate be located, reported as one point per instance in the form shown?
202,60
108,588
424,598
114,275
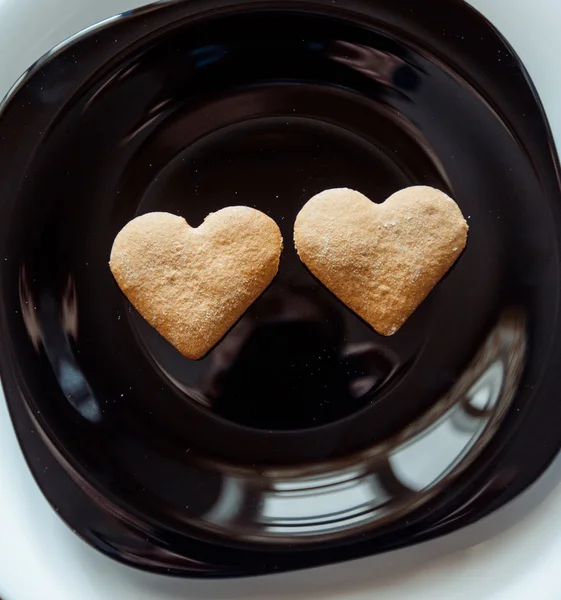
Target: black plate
303,438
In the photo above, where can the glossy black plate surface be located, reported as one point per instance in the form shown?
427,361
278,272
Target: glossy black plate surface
303,438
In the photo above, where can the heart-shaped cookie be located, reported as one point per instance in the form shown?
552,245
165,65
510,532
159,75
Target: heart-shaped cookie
193,284
381,260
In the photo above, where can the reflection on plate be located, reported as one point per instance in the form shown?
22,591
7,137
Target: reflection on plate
302,430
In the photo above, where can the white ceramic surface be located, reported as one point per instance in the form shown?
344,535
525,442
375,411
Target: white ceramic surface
41,559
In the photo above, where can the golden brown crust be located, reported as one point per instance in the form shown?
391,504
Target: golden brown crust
190,284
381,260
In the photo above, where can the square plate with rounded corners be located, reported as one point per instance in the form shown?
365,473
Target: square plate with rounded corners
303,438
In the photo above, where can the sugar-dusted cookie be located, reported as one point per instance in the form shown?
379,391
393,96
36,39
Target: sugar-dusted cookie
381,260
193,284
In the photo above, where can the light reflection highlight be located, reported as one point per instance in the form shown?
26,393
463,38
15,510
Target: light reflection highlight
52,324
